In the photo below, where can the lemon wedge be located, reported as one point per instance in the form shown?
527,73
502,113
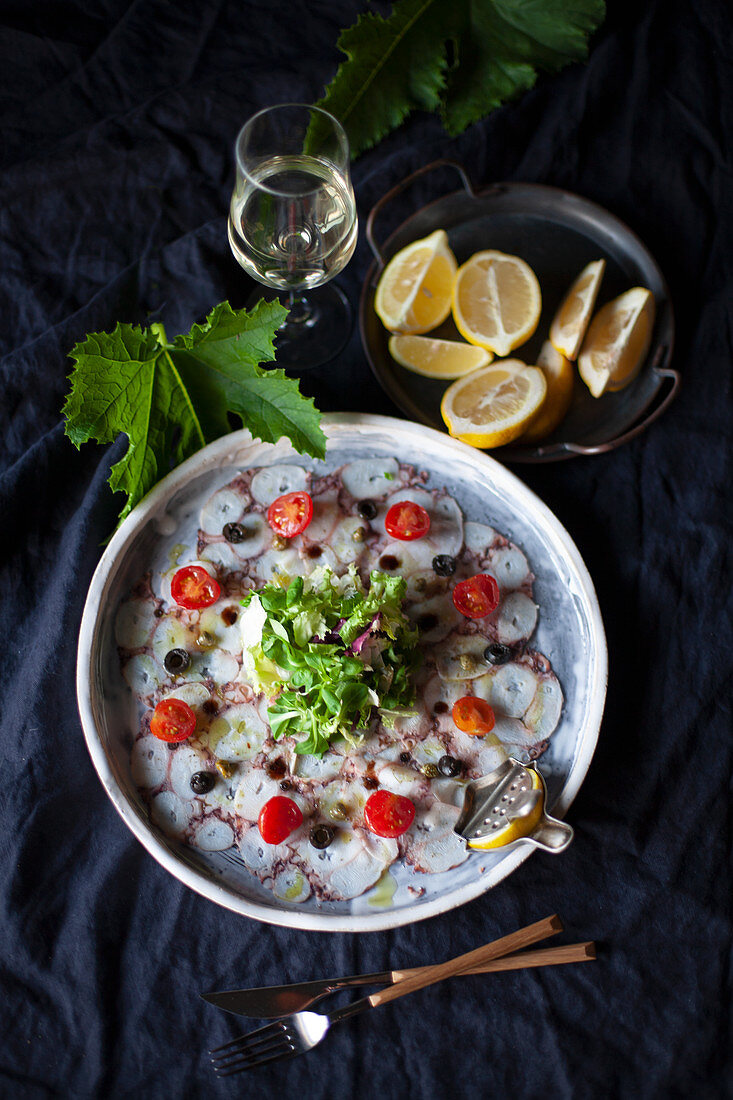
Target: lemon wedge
437,358
515,830
558,372
571,320
414,291
617,341
496,301
493,405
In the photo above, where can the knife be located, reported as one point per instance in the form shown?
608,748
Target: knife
269,1002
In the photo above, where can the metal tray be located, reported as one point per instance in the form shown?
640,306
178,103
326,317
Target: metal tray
557,233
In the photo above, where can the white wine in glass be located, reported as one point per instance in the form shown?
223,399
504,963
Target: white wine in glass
293,225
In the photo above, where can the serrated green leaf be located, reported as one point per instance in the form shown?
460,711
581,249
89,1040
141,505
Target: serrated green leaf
503,46
403,63
394,66
172,399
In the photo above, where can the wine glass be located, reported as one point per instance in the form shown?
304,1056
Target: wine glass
292,224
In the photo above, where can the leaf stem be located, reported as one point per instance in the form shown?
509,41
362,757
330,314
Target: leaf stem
160,333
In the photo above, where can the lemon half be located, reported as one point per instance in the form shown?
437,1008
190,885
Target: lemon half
496,301
492,406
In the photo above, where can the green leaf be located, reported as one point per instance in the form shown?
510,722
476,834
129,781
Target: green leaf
496,48
394,66
325,689
172,399
505,43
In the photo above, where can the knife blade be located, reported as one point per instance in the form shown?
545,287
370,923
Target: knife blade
271,1001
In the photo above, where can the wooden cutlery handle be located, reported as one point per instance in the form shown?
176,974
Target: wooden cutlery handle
544,956
429,975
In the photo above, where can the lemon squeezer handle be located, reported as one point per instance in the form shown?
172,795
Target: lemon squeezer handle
397,190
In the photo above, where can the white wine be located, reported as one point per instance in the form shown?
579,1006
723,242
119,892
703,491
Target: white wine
292,222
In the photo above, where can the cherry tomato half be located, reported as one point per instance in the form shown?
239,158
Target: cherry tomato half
192,587
290,514
279,817
473,716
173,720
407,521
477,596
388,814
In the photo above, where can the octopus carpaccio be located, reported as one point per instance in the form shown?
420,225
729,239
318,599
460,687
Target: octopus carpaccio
232,733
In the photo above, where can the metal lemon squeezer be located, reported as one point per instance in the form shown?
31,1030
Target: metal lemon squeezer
508,806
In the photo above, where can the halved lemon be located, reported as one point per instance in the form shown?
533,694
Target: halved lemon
493,405
558,372
414,291
617,341
571,320
436,358
496,301
515,830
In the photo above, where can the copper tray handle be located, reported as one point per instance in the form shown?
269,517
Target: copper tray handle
611,444
397,189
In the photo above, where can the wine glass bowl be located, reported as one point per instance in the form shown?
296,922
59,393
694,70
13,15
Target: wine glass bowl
292,223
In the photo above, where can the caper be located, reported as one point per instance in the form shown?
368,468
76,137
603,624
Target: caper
205,640
322,835
358,534
430,771
467,662
176,660
279,543
338,812
225,768
235,532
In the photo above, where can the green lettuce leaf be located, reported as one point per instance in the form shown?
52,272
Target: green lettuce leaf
463,57
323,688
170,399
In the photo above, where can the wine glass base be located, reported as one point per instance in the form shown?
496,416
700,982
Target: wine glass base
316,329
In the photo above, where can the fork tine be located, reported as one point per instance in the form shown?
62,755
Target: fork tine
253,1050
275,1028
242,1067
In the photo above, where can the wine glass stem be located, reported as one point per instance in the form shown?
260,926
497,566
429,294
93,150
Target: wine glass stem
300,309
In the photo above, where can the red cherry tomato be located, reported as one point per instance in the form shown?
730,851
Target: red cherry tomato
173,720
279,817
477,596
473,716
388,814
290,514
407,521
192,587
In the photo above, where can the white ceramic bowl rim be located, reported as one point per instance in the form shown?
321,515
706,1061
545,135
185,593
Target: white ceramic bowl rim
208,458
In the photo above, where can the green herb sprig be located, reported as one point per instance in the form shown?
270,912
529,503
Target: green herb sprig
330,653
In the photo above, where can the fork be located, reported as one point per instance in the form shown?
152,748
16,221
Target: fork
302,1031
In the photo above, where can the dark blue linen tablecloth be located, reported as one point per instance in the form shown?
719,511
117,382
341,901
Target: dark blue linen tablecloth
118,120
